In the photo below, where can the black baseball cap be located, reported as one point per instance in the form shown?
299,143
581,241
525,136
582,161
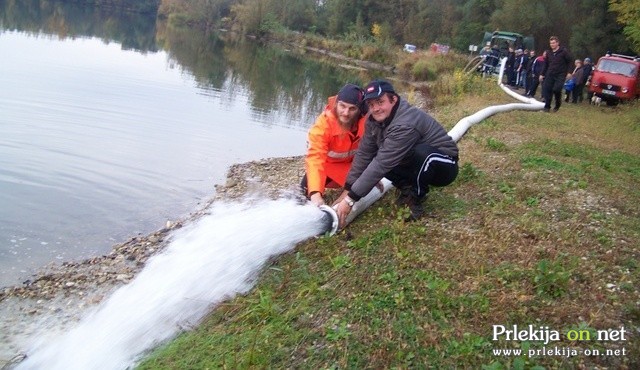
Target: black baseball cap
351,94
376,88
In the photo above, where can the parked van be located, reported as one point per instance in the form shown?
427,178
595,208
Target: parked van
616,77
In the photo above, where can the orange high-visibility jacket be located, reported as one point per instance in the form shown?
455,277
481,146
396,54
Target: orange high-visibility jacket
331,149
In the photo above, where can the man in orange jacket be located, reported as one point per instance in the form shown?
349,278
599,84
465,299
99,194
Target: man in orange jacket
333,140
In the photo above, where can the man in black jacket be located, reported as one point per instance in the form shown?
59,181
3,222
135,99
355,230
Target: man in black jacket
555,73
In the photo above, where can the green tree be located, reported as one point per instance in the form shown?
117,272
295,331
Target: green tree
596,32
474,22
297,15
250,14
340,15
629,16
539,19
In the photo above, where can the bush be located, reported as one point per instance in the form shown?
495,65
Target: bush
375,54
423,70
428,66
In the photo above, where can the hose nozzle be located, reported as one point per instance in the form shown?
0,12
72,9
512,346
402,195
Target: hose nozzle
330,218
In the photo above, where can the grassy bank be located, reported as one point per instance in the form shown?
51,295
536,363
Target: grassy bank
541,228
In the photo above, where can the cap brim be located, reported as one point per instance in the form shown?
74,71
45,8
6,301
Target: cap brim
372,95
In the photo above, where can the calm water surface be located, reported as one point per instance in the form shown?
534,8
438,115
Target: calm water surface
100,142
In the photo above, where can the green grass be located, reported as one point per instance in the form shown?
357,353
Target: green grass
540,228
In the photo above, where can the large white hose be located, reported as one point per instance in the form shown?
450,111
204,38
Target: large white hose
358,207
464,124
456,134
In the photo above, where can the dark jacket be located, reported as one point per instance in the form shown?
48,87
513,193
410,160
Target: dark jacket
389,144
587,71
558,62
529,66
578,76
511,60
539,65
521,62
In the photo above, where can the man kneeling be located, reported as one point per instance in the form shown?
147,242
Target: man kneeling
403,144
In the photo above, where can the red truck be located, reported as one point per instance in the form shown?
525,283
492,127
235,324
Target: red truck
615,78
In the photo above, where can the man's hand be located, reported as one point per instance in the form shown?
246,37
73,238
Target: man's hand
342,210
340,198
316,198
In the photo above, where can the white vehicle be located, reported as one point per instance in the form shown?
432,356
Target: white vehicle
409,48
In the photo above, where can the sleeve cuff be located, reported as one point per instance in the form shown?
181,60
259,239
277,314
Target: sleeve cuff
354,196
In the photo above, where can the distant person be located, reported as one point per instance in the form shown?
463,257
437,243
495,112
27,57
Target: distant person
522,58
486,50
529,71
402,143
510,67
494,57
578,79
556,72
586,77
332,143
504,49
570,83
536,68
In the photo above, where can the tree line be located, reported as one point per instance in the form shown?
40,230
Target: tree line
587,27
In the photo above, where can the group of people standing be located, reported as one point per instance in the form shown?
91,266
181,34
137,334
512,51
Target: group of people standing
366,134
555,70
574,86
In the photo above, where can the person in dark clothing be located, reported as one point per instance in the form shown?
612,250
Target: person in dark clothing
529,72
510,67
586,76
578,78
402,143
536,68
522,59
555,73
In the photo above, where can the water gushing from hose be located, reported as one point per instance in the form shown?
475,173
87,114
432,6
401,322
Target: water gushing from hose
207,262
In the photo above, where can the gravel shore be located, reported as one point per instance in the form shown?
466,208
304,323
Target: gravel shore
57,295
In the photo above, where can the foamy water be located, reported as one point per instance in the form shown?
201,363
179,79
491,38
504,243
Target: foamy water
207,262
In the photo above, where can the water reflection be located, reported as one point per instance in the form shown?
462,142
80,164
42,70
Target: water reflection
276,80
132,31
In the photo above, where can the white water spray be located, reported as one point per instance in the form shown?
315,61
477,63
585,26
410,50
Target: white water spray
209,261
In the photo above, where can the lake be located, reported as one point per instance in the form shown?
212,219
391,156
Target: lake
112,124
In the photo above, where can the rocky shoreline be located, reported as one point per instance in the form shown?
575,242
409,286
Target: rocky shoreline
58,294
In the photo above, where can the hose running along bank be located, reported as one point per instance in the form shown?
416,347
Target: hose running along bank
457,132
